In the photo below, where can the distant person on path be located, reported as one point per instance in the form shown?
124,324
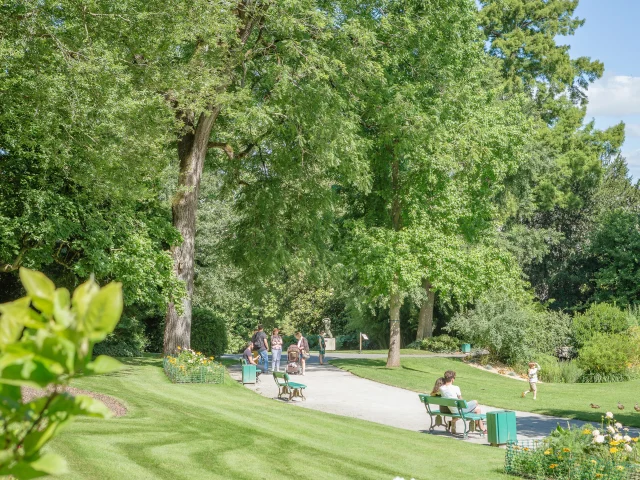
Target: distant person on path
449,390
533,380
303,345
259,341
435,392
276,350
321,347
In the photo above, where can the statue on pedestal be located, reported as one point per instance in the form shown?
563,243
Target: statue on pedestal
327,327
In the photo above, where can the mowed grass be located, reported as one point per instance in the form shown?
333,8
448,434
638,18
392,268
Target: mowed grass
564,400
403,351
229,432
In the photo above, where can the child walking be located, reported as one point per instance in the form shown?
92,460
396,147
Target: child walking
533,380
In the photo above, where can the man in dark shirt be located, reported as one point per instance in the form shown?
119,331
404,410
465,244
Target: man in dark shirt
259,341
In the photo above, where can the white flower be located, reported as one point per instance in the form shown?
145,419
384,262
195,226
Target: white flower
599,439
595,433
626,438
609,415
618,425
628,448
617,437
610,429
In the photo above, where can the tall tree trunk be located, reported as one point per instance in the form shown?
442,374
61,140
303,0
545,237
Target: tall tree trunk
192,151
393,359
425,317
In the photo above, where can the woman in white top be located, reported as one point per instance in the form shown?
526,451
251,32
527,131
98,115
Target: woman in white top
449,390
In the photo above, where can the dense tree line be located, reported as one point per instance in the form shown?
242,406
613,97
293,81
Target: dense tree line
285,161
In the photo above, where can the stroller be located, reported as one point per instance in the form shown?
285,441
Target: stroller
293,360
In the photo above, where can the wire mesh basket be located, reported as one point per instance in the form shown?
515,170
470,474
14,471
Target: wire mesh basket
533,459
181,373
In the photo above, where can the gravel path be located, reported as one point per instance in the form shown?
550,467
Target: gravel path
332,390
117,408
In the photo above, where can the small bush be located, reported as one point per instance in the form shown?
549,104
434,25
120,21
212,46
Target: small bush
554,371
599,318
127,340
208,332
512,332
607,357
440,344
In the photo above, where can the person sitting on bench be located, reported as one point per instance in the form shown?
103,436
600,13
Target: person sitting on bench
449,390
248,356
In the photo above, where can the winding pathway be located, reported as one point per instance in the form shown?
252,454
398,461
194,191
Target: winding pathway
332,390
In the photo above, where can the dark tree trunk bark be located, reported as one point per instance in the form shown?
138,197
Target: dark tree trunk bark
425,317
393,359
192,151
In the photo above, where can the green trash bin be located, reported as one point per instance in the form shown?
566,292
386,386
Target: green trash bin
466,347
248,373
501,427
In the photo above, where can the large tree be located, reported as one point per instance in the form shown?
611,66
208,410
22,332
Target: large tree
441,142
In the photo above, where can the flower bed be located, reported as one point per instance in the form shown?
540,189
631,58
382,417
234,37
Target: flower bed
578,453
190,366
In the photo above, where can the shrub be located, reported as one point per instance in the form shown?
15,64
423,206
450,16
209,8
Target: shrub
599,318
440,344
555,371
127,340
607,357
512,332
208,332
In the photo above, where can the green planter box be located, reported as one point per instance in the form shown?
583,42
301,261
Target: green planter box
466,347
501,427
248,374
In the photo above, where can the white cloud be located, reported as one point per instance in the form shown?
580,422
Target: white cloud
615,95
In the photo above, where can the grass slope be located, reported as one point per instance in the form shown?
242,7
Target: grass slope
564,400
228,432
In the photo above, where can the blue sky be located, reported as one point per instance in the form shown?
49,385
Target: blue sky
610,35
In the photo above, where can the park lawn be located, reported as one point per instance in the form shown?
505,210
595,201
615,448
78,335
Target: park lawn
229,432
403,351
558,399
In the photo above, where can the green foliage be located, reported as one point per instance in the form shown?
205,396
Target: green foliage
127,340
608,357
577,453
522,35
46,340
208,332
553,370
600,318
191,366
513,332
437,344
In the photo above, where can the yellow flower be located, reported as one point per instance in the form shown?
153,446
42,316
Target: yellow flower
547,451
210,358
613,449
598,475
614,442
553,465
526,449
620,467
566,450
179,348
635,439
586,431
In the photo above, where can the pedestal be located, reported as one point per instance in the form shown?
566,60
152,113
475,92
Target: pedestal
329,344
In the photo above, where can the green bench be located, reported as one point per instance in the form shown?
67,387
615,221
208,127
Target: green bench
452,403
286,387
